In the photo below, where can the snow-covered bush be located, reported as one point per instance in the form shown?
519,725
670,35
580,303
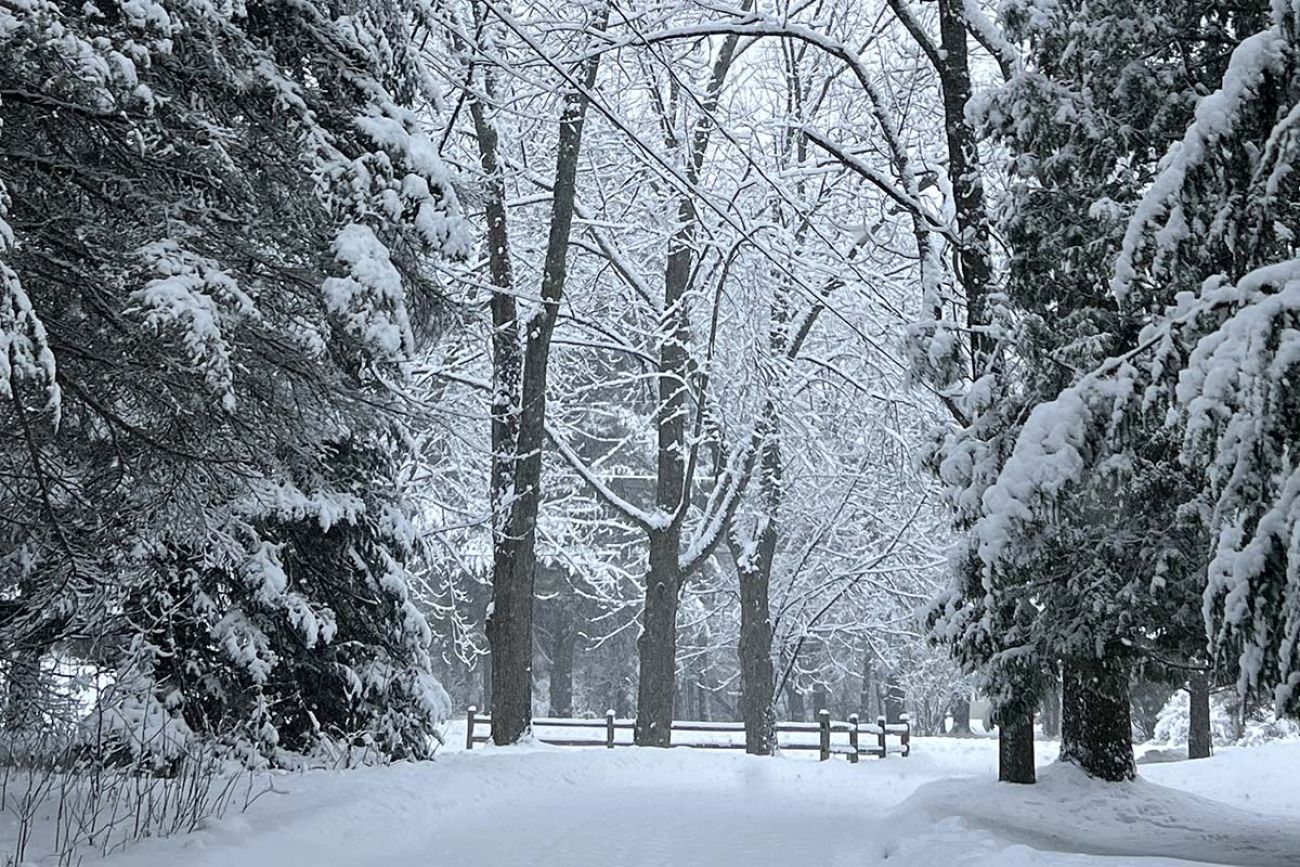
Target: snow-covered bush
1259,725
1174,720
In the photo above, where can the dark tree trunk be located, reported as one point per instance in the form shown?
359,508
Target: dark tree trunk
867,694
795,703
1016,751
1199,739
757,678
621,701
486,675
564,640
821,698
1052,710
961,717
24,703
895,700
1096,727
964,171
510,626
657,646
658,641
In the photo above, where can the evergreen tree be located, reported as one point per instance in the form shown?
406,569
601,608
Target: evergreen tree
1066,565
215,228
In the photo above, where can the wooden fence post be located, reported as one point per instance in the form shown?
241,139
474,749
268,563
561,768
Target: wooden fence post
884,744
906,737
853,738
824,722
469,727
609,729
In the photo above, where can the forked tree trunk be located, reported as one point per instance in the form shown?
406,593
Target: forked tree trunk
1016,751
1199,736
517,470
1096,726
658,641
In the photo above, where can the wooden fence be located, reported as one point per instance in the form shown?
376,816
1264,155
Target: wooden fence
855,738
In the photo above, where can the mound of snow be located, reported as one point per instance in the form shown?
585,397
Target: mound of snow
1069,812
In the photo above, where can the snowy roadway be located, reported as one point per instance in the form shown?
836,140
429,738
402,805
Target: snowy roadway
545,807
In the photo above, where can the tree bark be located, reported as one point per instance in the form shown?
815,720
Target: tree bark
895,700
821,698
972,258
867,693
564,640
757,677
795,703
1016,751
1052,710
1096,726
1200,742
961,716
657,645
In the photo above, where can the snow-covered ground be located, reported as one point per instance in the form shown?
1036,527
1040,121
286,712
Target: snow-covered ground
552,807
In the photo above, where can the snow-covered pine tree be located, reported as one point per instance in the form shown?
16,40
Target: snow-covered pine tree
1095,574
215,228
1207,258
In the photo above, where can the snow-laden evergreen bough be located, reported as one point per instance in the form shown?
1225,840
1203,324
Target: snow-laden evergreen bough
217,222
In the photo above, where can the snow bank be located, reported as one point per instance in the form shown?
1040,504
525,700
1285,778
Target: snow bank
1068,812
553,807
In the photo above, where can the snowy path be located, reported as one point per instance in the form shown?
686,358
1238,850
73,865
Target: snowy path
642,808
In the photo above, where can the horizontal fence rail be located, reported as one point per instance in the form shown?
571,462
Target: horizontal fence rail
850,738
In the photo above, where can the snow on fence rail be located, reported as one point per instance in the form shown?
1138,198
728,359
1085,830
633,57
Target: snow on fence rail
801,735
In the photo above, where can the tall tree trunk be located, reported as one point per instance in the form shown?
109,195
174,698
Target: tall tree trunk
658,641
657,645
564,640
508,633
1199,737
510,625
757,678
964,170
1096,727
754,568
1016,750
